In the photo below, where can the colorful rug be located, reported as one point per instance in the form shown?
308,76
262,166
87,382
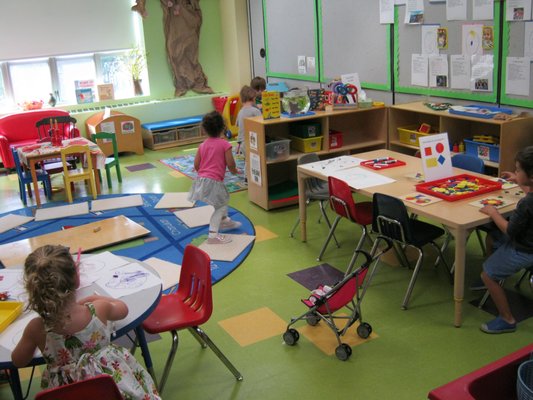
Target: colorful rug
166,241
185,165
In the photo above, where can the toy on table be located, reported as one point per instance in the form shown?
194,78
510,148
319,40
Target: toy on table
382,163
458,187
4,296
344,94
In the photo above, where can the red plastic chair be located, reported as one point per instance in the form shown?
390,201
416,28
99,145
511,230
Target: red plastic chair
188,308
342,202
99,387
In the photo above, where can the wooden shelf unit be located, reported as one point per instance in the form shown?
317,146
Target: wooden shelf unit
514,134
362,129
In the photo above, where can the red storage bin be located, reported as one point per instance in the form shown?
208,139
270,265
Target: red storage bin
335,139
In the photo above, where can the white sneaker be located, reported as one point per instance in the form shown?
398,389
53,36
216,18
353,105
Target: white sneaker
228,224
219,239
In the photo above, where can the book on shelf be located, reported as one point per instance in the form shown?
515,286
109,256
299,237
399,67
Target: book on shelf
84,95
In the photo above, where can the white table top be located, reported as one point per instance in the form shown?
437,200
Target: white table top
140,305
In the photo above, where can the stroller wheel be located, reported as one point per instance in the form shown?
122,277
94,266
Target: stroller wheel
343,352
291,336
364,330
312,319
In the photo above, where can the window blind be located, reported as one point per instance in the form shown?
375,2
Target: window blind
37,28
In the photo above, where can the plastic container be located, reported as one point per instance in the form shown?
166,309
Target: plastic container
296,102
165,136
188,133
409,134
278,149
306,130
485,151
335,139
219,102
9,311
309,145
524,382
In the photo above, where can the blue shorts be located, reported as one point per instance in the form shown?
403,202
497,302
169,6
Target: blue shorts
506,260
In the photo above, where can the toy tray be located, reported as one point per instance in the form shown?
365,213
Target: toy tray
473,110
9,311
470,186
382,163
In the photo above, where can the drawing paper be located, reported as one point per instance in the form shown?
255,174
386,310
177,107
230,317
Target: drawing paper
360,178
116,202
11,221
42,214
127,279
228,251
327,167
174,200
197,216
167,271
13,333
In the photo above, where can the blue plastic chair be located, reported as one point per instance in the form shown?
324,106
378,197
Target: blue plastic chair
468,162
25,180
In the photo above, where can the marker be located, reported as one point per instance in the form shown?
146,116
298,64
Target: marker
376,160
79,256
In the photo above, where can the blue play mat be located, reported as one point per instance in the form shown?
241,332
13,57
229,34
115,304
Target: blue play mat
167,239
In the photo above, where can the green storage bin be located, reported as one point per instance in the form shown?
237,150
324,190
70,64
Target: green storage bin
306,130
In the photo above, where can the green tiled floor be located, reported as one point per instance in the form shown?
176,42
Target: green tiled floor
413,352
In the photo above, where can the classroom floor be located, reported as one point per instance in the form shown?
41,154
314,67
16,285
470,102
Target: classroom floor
409,353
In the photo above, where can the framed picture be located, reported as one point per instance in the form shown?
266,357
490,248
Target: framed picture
127,127
106,92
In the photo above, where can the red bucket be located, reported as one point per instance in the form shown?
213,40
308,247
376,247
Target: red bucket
219,102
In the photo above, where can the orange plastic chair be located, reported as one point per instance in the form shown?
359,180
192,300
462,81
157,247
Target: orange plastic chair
99,387
188,308
342,202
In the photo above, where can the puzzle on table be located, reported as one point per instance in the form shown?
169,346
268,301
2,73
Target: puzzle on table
458,187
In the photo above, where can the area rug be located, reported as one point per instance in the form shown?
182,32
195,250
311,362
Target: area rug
185,165
166,241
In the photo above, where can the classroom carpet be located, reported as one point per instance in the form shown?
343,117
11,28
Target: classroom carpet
185,165
166,241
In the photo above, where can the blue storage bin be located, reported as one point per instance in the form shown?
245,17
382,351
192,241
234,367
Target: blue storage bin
485,151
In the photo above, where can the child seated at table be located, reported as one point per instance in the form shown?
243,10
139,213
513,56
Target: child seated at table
512,243
74,336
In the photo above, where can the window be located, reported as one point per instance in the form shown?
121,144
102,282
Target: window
30,80
70,70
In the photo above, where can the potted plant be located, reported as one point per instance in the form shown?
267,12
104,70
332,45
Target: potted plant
135,63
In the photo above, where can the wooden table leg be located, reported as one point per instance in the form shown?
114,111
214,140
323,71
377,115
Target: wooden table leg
35,183
302,206
460,237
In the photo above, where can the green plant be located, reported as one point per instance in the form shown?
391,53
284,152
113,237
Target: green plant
135,62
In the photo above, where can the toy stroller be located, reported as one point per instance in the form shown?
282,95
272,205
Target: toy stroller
325,301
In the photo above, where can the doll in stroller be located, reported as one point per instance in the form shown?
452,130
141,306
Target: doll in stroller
325,301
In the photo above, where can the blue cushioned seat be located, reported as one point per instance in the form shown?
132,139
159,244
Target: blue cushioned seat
172,123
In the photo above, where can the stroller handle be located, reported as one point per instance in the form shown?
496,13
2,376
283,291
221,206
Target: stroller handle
368,257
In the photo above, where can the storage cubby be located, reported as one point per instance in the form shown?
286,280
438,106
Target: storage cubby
362,129
513,134
172,133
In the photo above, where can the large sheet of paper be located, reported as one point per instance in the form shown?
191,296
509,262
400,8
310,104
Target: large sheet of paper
125,280
70,210
167,271
328,167
116,202
227,251
174,200
197,216
11,221
360,178
13,333
92,268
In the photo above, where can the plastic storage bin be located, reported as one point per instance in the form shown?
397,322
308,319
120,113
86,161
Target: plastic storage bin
409,134
278,149
335,139
309,145
485,151
524,383
308,130
165,136
189,132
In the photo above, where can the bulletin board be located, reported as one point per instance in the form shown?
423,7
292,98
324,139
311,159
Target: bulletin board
407,41
291,33
513,36
354,41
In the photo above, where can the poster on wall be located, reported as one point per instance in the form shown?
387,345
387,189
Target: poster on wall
255,169
436,159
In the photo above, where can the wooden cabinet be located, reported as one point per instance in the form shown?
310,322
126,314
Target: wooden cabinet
273,182
127,130
513,135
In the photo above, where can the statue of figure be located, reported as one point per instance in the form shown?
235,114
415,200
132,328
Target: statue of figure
182,20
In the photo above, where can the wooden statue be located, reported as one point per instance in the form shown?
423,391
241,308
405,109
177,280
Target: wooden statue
182,20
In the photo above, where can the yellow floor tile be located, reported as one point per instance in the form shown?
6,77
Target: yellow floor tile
324,338
177,174
262,233
254,326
